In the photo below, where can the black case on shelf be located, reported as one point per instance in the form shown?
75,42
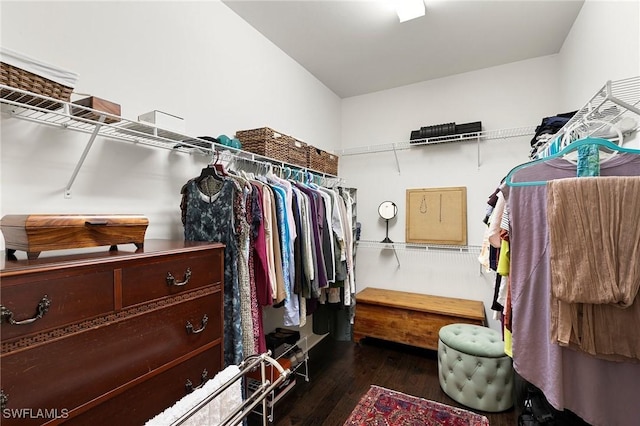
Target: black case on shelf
281,336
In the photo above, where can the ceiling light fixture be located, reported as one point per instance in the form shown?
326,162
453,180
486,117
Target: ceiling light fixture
409,9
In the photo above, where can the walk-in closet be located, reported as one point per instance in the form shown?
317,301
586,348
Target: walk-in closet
320,212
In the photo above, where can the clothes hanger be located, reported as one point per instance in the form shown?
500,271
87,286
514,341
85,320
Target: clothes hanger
605,143
575,131
219,166
213,169
584,129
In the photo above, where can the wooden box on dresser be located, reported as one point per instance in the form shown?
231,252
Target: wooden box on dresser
109,337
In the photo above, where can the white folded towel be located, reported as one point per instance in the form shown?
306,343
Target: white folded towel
212,413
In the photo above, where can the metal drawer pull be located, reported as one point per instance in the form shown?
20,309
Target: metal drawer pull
190,329
43,307
171,280
203,378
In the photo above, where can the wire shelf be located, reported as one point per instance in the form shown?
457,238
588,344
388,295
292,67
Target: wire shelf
424,248
615,101
66,116
475,136
44,110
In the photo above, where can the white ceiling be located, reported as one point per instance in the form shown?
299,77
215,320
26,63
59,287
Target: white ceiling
359,46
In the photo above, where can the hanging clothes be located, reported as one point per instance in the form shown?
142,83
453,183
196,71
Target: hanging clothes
317,220
208,215
283,240
600,391
595,273
308,247
326,204
269,235
261,272
244,279
292,313
261,287
350,229
279,290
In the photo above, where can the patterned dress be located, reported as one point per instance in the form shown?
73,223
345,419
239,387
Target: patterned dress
208,216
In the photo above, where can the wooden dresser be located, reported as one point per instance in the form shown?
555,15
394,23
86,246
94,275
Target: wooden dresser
110,337
410,318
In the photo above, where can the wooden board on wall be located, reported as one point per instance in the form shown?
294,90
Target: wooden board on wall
437,216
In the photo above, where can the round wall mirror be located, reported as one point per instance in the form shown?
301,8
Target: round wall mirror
387,210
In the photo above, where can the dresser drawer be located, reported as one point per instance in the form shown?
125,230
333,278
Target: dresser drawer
144,401
73,297
67,372
170,275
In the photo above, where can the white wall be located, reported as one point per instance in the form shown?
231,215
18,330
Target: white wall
197,60
604,44
508,96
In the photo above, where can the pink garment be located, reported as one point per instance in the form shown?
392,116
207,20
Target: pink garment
494,222
261,267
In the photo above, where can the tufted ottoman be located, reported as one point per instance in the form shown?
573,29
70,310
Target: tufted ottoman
473,368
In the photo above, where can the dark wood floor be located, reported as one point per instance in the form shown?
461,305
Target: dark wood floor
341,372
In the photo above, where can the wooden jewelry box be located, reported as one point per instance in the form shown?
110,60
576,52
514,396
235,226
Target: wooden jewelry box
94,106
40,232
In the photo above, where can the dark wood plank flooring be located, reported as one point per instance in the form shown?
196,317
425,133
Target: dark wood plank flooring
342,372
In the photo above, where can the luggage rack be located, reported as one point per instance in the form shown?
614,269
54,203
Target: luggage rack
257,396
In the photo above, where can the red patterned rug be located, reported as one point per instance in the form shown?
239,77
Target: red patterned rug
384,407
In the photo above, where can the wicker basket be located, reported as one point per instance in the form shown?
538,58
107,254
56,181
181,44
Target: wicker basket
322,161
265,141
297,152
24,80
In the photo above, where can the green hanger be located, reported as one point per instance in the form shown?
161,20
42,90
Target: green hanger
606,143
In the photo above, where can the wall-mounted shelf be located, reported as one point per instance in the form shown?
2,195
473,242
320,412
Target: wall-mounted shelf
615,101
475,136
65,115
424,248
464,251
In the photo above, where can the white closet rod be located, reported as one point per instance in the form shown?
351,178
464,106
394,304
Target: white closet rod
287,170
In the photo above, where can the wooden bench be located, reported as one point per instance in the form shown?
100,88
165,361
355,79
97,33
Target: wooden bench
410,318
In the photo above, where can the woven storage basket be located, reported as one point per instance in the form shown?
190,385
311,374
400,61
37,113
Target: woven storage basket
24,80
298,152
265,141
322,161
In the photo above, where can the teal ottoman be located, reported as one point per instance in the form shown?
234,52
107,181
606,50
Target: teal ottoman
473,368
